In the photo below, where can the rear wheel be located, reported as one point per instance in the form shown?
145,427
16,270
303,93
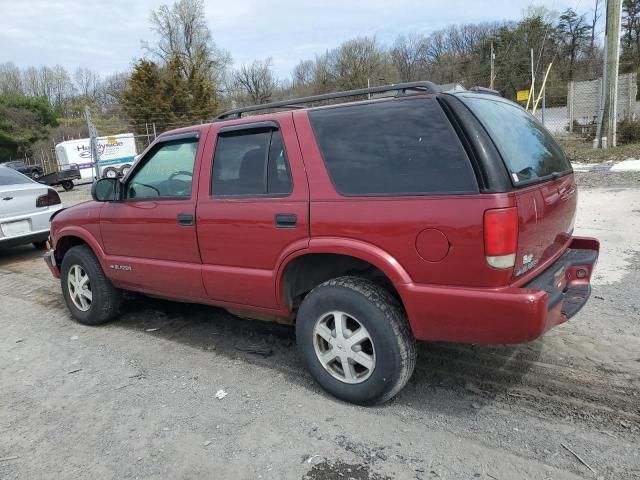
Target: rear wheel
67,185
355,340
125,169
35,174
110,173
88,293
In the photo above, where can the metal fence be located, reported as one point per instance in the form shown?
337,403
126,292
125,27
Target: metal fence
583,106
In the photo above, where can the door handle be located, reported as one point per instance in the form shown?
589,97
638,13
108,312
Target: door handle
286,220
185,219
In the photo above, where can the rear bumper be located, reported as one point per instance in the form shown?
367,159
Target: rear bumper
25,239
38,223
504,315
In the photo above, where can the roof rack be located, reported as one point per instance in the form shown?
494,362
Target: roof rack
399,88
488,91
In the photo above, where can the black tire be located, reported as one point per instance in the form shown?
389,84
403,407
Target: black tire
124,169
110,173
105,304
67,185
35,174
382,316
41,245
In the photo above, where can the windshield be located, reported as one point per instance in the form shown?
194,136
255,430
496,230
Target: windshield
11,177
526,146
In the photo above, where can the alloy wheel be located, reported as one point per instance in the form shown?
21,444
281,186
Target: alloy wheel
79,287
344,347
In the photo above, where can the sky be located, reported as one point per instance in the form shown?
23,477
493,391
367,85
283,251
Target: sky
107,36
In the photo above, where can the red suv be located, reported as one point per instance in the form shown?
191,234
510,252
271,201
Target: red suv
368,224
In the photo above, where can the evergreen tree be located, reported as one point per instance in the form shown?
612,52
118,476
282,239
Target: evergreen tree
144,100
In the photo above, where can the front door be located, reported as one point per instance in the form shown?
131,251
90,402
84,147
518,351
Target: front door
257,210
150,235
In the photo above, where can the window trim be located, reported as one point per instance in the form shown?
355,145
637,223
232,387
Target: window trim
397,194
188,137
264,125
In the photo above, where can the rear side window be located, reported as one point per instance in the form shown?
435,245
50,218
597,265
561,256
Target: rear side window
392,148
250,162
528,149
11,177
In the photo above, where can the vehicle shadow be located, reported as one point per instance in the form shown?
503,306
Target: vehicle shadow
18,253
445,374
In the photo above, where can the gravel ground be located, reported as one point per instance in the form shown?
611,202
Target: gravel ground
136,398
608,179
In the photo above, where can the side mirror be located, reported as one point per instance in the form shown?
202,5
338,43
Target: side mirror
105,190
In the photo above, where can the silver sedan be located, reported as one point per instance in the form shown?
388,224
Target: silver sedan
26,208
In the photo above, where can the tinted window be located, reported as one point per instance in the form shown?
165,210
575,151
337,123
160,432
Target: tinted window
167,173
395,147
250,162
11,177
527,147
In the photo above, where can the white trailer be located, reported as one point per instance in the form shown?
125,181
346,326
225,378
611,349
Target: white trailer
117,153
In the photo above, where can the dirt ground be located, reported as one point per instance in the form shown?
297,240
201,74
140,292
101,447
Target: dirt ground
136,398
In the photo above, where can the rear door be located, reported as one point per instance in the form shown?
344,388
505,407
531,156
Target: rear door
544,183
253,209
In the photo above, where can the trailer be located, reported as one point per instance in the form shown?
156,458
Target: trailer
64,178
117,153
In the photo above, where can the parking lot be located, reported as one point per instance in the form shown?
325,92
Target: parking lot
136,398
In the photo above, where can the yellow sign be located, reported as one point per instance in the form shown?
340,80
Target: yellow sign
522,95
113,140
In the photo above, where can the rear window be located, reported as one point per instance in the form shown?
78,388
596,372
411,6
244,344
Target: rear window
392,148
11,177
528,149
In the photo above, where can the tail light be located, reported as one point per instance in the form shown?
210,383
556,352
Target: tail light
501,237
50,198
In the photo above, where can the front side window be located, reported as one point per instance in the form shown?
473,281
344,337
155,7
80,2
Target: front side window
405,147
168,173
526,146
250,162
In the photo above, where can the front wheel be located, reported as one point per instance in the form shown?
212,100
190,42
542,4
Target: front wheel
88,293
355,340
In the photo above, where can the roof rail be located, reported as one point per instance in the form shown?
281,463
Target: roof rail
488,91
399,88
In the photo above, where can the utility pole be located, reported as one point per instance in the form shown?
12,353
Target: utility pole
493,67
533,77
610,84
93,139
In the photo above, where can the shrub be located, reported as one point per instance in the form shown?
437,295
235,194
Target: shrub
628,131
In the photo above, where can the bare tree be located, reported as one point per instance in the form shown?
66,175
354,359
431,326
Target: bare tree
256,81
112,87
303,73
594,22
183,33
358,62
54,83
87,82
10,79
409,56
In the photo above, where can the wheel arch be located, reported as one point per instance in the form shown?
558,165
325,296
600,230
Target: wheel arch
325,258
70,237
